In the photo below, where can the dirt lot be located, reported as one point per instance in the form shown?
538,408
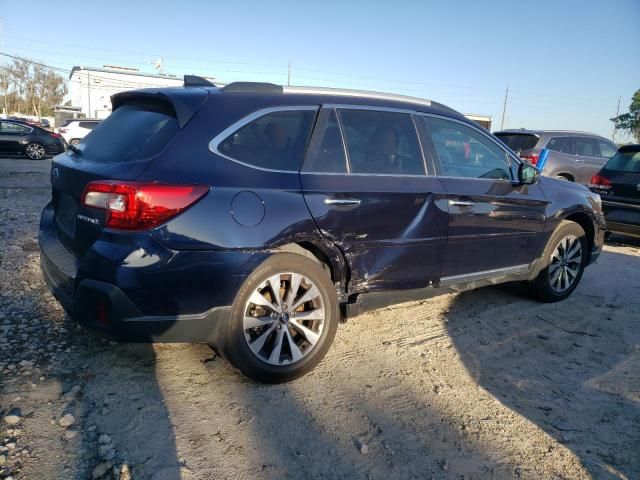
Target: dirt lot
484,384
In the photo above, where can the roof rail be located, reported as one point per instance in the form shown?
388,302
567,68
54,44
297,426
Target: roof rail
252,87
196,81
356,93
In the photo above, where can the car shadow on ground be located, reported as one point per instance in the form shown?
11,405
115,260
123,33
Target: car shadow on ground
573,372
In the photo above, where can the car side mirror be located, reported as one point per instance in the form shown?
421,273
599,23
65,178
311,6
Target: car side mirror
527,174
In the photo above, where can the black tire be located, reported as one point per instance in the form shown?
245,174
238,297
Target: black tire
74,141
542,288
235,345
35,151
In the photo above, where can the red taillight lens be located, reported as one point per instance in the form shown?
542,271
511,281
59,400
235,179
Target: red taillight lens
600,182
137,205
55,135
532,158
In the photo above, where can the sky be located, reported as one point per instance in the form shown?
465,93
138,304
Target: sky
566,63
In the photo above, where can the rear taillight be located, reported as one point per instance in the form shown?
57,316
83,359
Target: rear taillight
600,182
55,135
138,205
531,158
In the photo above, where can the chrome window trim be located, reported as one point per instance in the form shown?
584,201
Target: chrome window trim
483,274
508,153
234,127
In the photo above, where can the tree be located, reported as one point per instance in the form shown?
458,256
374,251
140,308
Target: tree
31,88
630,122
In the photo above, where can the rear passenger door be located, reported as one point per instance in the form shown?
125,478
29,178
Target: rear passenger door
495,225
588,156
370,192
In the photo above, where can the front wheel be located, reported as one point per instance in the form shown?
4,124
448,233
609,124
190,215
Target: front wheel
565,258
283,319
35,151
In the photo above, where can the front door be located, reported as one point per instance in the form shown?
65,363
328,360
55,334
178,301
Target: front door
494,224
369,191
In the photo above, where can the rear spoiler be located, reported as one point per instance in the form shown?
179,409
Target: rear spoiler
184,103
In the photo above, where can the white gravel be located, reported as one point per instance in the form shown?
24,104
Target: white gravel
484,384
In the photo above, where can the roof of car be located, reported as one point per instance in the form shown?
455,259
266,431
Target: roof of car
326,95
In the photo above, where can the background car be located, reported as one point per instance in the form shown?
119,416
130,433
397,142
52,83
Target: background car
18,138
618,184
73,131
574,156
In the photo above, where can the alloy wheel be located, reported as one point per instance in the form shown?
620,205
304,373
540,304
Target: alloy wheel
566,262
35,151
284,318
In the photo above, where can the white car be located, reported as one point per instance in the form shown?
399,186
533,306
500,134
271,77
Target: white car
73,131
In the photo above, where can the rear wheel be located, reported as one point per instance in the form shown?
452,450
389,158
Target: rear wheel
74,141
34,151
565,258
283,320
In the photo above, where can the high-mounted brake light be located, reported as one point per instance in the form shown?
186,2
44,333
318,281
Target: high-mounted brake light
600,182
140,205
531,158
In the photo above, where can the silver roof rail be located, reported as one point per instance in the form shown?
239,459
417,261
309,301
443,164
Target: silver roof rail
355,93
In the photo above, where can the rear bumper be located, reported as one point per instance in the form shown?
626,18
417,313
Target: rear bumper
115,290
107,310
624,229
622,218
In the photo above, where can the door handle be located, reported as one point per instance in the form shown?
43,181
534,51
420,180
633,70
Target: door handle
342,202
460,203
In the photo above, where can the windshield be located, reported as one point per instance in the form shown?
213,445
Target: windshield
625,162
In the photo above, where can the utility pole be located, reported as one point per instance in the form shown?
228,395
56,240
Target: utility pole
613,134
89,94
504,107
6,81
289,74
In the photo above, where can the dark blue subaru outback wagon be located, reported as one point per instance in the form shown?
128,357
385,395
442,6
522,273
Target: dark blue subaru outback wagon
255,217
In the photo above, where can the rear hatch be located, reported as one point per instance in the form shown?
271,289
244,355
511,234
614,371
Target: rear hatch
618,183
142,125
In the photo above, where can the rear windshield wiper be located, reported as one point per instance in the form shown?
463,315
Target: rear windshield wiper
74,149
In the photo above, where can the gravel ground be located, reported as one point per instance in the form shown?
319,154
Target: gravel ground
483,384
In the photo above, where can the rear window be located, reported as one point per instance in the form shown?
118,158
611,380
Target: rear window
276,141
131,132
624,162
518,141
89,125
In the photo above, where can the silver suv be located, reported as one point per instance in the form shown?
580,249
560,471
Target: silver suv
574,156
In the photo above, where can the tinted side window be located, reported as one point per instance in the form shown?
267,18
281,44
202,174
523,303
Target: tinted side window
606,149
381,142
89,125
326,150
464,152
585,146
276,140
560,144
